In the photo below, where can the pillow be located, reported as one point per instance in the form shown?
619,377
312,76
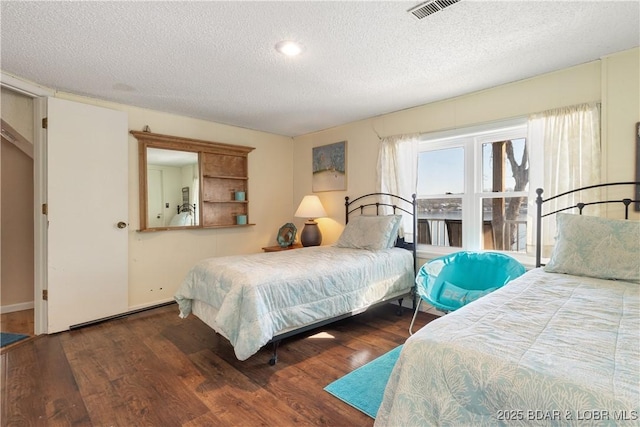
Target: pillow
596,247
455,296
370,232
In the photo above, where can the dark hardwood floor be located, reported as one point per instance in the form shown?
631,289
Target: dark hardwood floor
155,369
17,322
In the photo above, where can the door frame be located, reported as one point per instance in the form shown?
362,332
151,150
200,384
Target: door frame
39,95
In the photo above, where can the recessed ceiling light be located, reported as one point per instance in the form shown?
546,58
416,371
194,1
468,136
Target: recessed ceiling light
289,48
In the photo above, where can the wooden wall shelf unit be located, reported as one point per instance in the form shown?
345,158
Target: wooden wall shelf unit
223,171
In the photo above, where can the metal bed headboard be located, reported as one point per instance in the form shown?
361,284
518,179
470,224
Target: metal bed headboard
410,208
186,207
580,205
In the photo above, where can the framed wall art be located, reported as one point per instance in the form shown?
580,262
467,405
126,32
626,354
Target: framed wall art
330,167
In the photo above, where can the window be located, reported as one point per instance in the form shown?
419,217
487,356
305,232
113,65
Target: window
473,188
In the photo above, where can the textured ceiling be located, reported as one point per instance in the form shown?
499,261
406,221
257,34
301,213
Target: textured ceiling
215,60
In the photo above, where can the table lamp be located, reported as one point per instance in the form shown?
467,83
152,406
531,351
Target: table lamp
310,208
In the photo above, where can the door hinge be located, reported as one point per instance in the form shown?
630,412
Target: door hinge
45,122
45,294
45,209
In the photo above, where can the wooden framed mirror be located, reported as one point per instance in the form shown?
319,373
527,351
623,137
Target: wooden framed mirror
189,183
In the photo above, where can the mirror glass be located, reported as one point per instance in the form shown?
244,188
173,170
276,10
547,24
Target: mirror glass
172,188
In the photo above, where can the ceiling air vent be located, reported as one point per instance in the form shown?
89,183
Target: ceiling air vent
425,9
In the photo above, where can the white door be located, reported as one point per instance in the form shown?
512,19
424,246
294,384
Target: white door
87,197
155,204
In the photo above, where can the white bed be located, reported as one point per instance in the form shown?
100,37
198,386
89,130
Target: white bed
556,346
537,351
256,299
263,295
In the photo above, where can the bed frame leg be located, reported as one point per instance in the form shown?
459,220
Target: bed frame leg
399,310
414,318
274,356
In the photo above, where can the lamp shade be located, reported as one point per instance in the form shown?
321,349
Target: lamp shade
310,207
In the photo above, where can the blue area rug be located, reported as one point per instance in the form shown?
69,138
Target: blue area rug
364,388
7,338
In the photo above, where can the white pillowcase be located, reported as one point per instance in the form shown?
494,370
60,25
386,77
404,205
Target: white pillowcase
370,232
596,247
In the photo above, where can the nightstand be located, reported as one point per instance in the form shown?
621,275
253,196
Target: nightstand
278,248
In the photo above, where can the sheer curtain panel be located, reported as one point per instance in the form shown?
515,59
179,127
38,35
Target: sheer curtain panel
397,171
571,140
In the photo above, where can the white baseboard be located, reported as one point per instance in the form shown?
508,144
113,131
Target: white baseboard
150,304
16,307
141,307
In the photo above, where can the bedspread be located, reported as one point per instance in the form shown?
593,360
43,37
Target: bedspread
260,295
547,349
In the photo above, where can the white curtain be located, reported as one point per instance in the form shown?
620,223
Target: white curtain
571,140
397,171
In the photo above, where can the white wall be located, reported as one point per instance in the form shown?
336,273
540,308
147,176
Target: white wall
613,81
17,110
620,113
171,191
16,213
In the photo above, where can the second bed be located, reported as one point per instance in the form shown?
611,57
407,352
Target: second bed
253,300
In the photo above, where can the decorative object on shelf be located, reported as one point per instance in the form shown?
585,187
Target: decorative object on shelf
239,196
241,219
310,208
287,235
330,167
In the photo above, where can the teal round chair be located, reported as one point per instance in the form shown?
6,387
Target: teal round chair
453,281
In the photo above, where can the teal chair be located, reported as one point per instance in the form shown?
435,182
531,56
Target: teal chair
455,280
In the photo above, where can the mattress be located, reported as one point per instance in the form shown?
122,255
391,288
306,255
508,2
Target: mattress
253,298
546,349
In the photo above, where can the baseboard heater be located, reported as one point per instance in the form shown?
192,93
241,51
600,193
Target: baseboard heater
118,316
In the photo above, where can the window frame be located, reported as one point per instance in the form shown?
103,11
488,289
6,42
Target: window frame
471,139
